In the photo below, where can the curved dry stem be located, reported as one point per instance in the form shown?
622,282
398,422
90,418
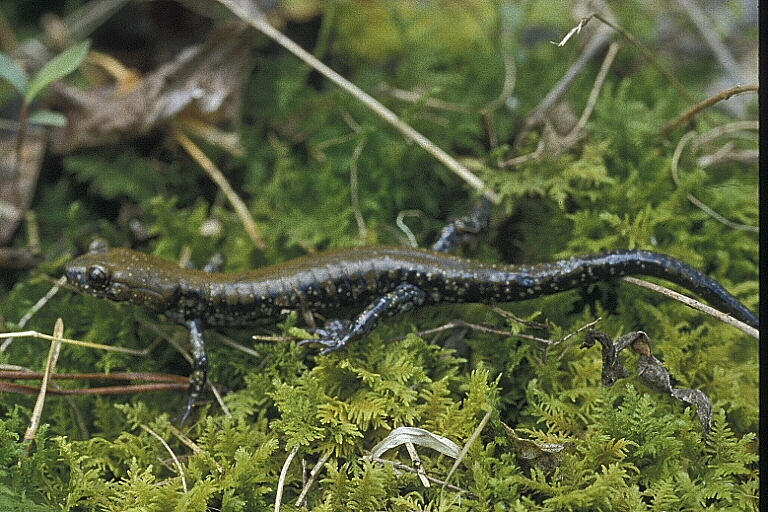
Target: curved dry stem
688,114
176,462
221,181
283,474
695,200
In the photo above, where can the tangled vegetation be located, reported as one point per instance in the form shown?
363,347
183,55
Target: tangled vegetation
317,169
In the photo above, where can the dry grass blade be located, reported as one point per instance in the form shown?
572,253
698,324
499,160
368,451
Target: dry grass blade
468,445
698,306
218,177
688,114
283,474
87,344
249,13
37,412
34,309
176,462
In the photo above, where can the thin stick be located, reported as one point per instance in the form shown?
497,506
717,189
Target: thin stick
500,332
704,25
416,459
698,306
283,474
706,104
254,17
22,374
129,389
87,344
354,190
695,200
467,446
34,309
221,181
235,345
220,400
420,97
312,477
650,56
406,467
724,129
176,462
191,444
510,71
538,114
613,49
37,412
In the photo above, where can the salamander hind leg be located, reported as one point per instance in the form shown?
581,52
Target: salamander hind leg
338,334
199,373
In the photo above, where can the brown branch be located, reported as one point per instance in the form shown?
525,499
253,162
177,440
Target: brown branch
650,56
706,104
10,387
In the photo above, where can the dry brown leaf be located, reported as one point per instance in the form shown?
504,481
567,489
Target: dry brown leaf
206,79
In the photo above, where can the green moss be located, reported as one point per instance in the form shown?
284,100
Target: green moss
628,448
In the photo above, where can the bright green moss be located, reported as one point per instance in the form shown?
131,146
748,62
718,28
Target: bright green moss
628,448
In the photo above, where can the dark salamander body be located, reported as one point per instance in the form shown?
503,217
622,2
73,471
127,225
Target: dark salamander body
386,279
334,280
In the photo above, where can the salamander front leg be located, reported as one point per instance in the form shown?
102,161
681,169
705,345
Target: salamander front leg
465,230
338,334
199,373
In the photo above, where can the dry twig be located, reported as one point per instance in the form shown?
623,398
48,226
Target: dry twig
176,462
301,500
691,112
283,475
698,306
37,412
250,13
221,181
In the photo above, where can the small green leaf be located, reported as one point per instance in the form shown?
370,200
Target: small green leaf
48,118
11,72
59,67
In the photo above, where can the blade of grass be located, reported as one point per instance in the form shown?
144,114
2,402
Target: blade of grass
57,68
13,74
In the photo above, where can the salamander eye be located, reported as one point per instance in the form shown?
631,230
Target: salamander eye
98,277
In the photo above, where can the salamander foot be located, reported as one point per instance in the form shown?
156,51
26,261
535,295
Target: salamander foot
335,335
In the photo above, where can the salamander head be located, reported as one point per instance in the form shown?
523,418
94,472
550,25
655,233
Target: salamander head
123,275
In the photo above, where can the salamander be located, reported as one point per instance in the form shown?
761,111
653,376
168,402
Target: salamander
383,280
